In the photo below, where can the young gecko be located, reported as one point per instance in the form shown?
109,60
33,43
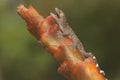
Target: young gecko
67,31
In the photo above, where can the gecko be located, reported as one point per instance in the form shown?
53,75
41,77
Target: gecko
66,30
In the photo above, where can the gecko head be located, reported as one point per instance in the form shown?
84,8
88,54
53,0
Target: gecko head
59,13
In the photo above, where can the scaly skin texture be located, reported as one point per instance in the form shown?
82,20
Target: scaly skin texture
73,64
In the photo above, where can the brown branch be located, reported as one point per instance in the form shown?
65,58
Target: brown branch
56,36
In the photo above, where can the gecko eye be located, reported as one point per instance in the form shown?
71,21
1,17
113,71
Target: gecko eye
57,11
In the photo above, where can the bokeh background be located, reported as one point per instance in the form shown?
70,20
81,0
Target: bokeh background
96,22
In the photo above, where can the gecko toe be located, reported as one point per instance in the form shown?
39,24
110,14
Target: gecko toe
54,16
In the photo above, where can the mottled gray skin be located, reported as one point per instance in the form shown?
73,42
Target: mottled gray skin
67,31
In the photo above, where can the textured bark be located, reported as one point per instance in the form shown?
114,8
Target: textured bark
55,35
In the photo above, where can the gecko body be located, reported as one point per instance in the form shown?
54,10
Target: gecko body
66,30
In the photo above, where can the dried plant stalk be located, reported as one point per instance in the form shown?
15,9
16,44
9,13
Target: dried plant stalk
56,36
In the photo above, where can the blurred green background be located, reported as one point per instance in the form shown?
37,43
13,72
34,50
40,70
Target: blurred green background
96,22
